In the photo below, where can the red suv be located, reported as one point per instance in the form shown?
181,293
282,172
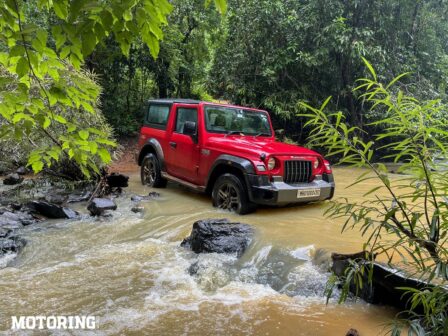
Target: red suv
230,153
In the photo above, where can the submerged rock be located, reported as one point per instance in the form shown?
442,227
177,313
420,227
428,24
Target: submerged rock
386,281
99,205
138,209
352,332
219,236
12,179
152,195
4,232
50,210
11,245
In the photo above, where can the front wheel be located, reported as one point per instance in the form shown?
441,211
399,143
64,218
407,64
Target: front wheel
151,173
230,194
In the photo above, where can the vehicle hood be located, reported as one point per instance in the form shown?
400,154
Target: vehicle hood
256,146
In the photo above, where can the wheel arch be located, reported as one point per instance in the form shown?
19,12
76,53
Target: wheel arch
229,164
152,146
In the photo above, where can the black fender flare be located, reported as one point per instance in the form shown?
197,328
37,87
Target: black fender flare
245,166
152,146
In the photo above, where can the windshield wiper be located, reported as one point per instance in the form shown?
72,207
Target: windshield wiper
233,132
262,133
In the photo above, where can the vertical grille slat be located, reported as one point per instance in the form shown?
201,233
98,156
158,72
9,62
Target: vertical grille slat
297,171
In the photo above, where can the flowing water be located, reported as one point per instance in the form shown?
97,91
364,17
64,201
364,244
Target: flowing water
130,272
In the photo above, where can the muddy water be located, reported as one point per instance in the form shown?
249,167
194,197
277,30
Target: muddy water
130,272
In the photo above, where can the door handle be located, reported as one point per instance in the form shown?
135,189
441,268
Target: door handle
173,144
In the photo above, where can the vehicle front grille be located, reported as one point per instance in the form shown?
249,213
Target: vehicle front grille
297,171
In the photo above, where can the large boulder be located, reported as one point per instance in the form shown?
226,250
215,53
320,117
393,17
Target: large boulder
219,236
50,210
386,281
98,206
13,179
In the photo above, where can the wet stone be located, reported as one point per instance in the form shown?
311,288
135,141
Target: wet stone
98,206
11,244
50,210
12,179
22,171
219,236
151,196
138,209
115,180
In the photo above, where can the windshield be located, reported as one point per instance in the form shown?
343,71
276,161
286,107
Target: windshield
232,120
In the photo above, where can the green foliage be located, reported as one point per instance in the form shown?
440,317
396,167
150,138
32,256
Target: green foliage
179,71
274,53
42,54
409,224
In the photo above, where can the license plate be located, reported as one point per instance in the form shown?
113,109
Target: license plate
312,192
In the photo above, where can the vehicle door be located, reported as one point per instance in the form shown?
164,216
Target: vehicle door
183,151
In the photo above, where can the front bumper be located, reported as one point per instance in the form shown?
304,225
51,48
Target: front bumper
279,193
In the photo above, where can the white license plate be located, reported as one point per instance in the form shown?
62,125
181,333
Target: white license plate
312,192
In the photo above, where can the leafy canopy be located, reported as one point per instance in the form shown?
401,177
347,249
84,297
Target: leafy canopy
41,83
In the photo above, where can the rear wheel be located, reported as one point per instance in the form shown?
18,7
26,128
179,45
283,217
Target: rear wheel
229,193
151,173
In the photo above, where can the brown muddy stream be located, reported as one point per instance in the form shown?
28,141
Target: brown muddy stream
131,273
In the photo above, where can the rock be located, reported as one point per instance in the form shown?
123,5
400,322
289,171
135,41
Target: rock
12,179
152,195
79,197
5,232
16,206
137,198
50,210
98,205
352,332
54,198
11,244
138,209
385,281
22,171
16,219
219,236
115,180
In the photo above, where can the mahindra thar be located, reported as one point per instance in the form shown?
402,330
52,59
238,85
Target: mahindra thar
230,153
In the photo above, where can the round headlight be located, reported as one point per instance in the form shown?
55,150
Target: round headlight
316,164
271,163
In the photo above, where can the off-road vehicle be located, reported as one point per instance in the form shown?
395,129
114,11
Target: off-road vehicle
229,152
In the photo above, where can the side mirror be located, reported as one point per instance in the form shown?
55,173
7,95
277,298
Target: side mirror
190,128
280,134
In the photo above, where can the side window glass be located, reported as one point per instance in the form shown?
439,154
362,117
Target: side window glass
183,115
157,115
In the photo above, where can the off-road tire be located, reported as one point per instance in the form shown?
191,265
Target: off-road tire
229,193
150,172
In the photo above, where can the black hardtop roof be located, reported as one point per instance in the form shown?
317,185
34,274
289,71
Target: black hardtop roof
174,100
194,101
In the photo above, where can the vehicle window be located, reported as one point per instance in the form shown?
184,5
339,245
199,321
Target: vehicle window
227,119
157,115
183,115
